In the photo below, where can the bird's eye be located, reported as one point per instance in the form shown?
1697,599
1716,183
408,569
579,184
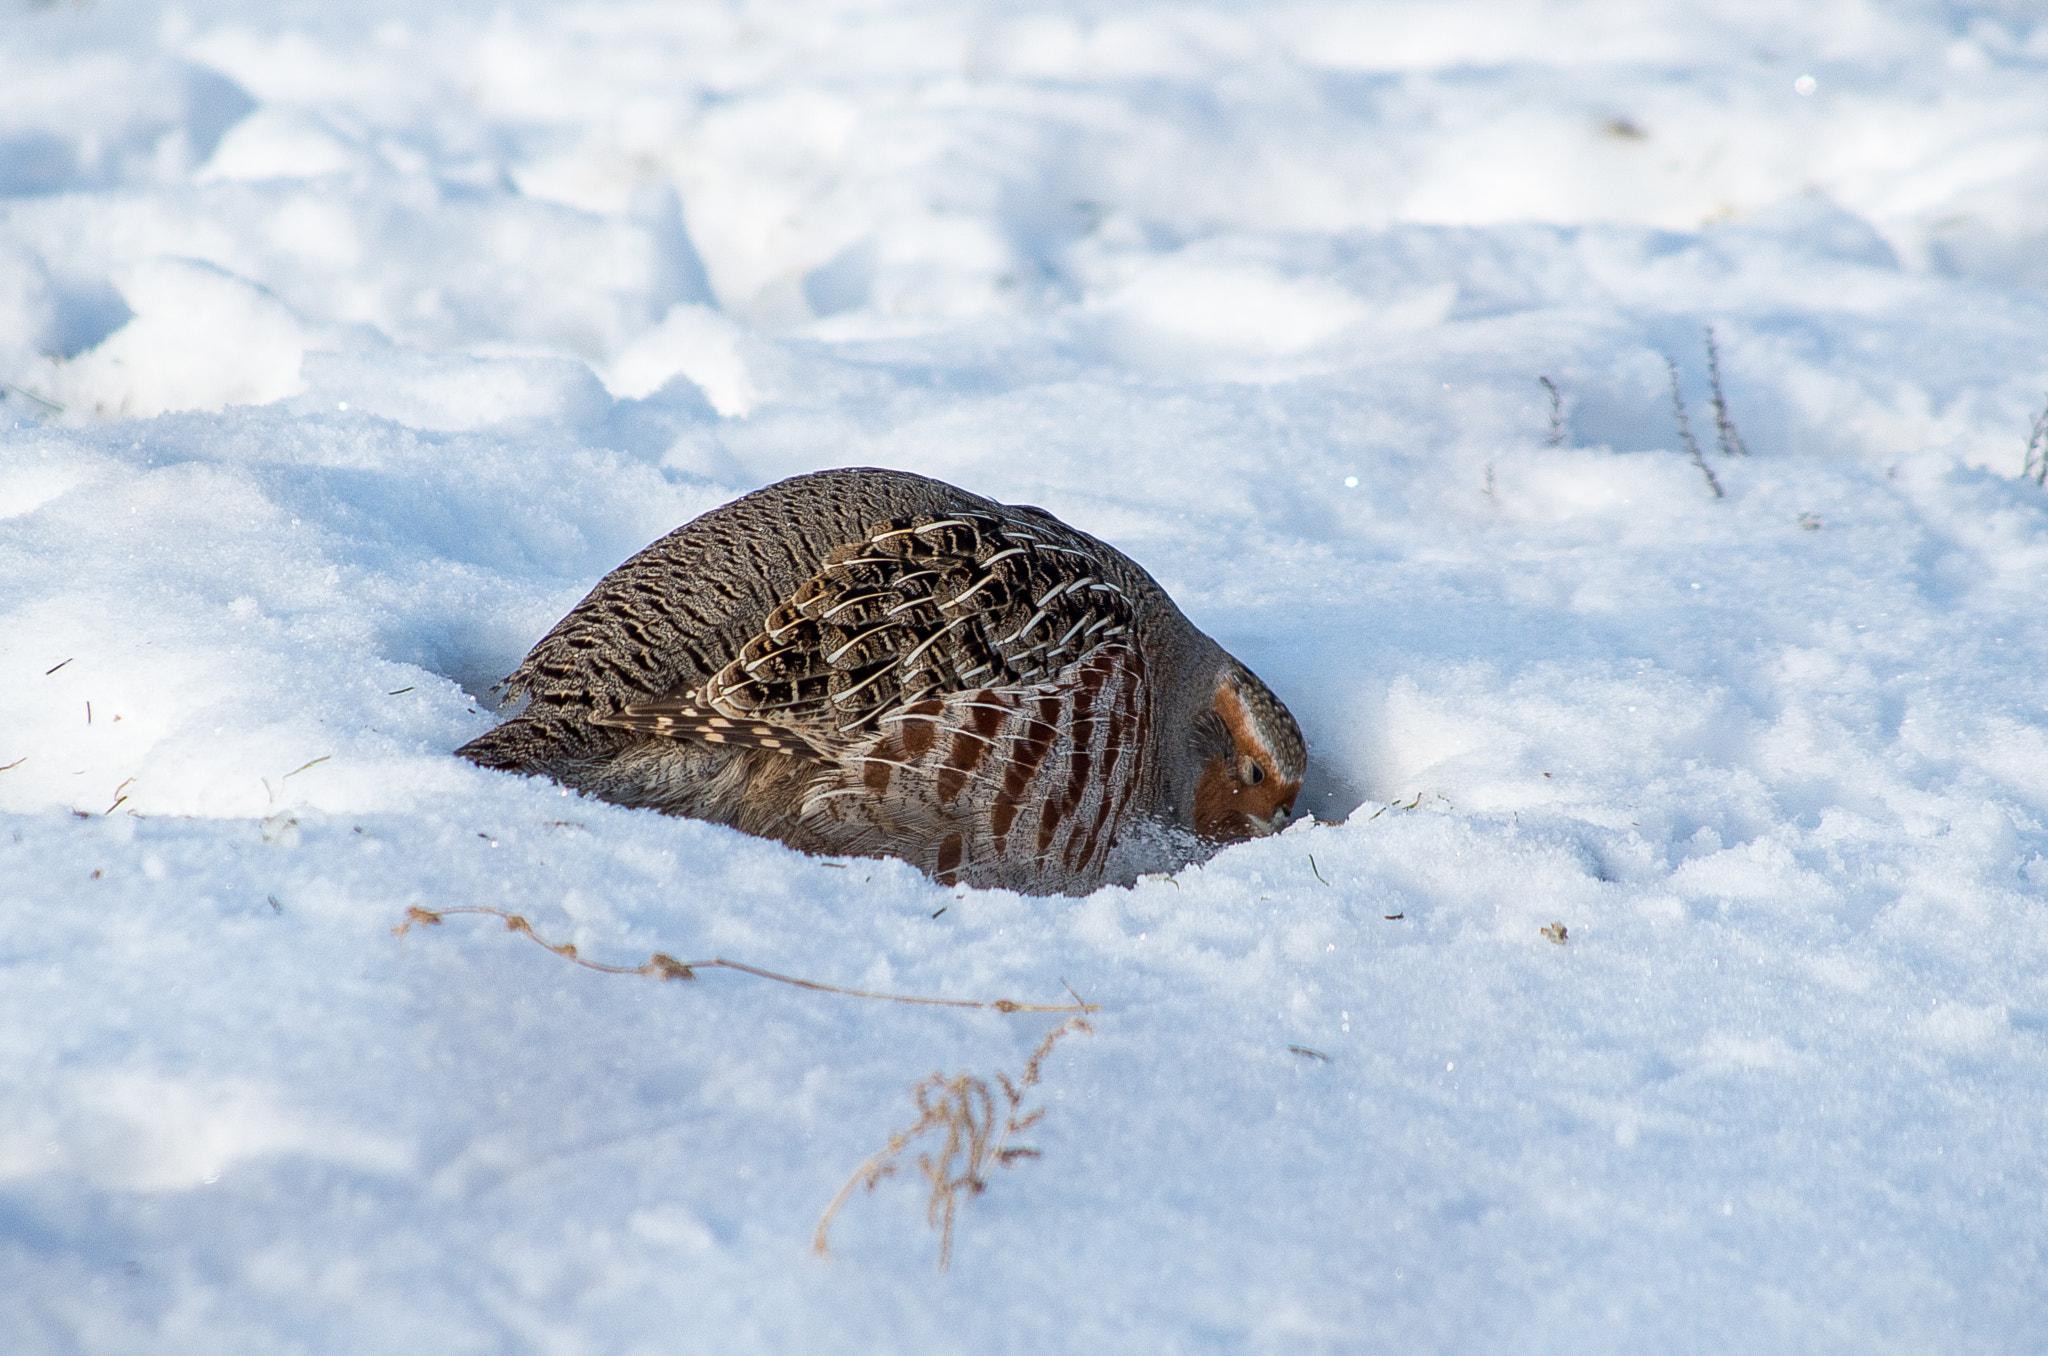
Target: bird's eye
1253,773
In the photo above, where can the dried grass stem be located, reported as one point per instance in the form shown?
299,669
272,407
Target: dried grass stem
660,965
963,1109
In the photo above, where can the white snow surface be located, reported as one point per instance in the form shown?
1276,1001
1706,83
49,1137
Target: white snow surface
346,347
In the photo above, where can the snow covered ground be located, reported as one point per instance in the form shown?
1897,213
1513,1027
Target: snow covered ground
347,346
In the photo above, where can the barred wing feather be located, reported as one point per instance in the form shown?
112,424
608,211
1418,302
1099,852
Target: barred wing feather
998,785
968,686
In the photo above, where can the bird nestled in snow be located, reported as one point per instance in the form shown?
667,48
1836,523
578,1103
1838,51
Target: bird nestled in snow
870,663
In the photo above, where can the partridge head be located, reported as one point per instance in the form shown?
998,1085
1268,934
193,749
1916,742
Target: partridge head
1255,760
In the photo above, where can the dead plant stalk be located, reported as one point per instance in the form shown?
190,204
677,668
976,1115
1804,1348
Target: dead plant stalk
1724,424
661,965
1685,438
2036,467
963,1109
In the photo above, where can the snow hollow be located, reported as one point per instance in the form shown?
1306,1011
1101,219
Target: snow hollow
1666,969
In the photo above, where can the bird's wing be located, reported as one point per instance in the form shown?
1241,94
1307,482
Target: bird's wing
969,687
922,608
997,785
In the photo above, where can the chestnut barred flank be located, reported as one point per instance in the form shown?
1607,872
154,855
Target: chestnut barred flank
867,662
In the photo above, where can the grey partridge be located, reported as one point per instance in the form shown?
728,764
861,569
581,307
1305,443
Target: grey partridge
869,663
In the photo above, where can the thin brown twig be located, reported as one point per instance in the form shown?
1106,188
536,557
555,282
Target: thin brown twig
663,966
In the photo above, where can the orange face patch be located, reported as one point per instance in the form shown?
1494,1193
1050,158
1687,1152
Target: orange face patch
1230,805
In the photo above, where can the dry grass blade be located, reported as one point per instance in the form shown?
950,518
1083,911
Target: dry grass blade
1724,426
1690,443
1554,438
47,404
663,966
962,1109
2036,467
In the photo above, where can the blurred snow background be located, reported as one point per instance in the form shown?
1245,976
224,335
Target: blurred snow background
345,347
